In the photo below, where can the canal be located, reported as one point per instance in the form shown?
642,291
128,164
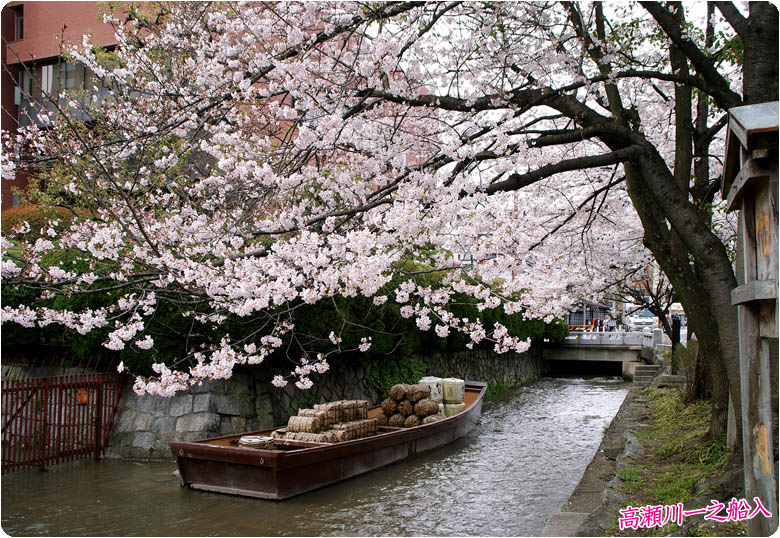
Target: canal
504,479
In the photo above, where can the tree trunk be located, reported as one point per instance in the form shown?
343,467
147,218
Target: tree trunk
706,293
760,53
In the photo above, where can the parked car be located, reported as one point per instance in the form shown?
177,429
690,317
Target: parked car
641,319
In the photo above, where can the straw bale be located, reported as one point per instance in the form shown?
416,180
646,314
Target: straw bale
361,409
396,420
332,410
370,426
412,420
357,429
426,407
389,406
405,408
338,436
322,415
417,392
323,437
347,433
352,410
432,418
381,419
304,424
398,392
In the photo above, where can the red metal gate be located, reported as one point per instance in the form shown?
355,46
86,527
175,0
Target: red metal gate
51,420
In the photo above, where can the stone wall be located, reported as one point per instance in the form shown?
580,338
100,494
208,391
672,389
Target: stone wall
144,425
508,369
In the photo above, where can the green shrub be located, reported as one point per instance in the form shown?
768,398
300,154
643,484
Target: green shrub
386,372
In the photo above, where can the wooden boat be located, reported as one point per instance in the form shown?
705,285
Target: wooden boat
290,468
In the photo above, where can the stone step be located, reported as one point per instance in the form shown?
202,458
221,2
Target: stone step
648,367
644,371
563,523
639,373
667,380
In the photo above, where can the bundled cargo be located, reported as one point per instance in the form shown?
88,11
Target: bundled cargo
398,392
432,418
304,424
411,421
329,436
417,392
405,407
415,401
425,408
396,420
361,409
332,411
453,408
357,429
434,385
389,407
353,410
453,390
322,415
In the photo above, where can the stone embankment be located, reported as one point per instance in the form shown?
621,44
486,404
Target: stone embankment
144,425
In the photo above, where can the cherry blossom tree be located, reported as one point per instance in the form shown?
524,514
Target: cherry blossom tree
246,159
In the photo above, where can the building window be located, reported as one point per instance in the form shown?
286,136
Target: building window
18,22
72,76
26,79
47,77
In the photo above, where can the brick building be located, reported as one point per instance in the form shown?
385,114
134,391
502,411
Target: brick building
34,34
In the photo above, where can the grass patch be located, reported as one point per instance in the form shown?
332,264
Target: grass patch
678,457
495,389
499,388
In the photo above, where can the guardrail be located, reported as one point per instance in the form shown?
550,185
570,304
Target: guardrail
646,339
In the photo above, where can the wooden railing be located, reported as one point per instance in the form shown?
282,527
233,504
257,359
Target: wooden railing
51,420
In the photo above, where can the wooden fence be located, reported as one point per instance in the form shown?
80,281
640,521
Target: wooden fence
51,420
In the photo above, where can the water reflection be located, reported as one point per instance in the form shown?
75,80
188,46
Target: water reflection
504,479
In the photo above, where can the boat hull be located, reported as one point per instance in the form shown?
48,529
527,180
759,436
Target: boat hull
215,464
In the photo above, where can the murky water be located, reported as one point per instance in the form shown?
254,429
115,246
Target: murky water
504,479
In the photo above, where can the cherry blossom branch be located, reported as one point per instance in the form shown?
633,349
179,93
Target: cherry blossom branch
518,181
721,90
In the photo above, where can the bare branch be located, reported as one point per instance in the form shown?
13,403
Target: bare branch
733,16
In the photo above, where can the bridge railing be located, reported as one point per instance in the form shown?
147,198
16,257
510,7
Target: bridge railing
609,339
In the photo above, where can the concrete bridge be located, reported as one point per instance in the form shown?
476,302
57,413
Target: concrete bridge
630,349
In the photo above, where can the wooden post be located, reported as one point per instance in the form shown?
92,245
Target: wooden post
99,416
750,184
43,422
